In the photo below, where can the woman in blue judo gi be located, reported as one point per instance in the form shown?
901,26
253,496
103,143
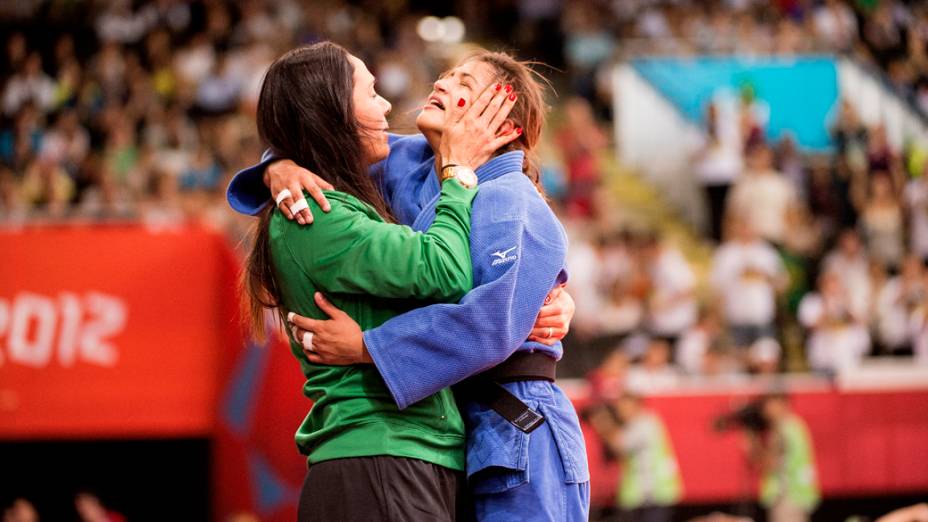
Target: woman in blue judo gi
525,453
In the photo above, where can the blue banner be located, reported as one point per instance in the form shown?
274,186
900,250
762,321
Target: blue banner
800,92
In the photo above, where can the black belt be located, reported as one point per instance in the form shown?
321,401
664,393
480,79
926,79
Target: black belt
487,388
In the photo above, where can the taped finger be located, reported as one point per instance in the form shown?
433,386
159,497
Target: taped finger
301,204
284,194
307,341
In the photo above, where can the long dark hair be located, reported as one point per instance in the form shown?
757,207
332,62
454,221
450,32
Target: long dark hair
306,114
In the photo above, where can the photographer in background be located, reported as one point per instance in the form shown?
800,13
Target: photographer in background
784,455
650,483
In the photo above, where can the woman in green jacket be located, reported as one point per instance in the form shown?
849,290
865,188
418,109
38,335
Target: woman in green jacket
368,460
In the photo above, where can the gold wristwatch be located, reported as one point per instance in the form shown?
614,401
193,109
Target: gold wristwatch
464,175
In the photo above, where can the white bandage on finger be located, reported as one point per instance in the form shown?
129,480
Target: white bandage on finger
308,341
298,206
284,194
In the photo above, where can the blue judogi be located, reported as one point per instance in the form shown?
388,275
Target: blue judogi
518,251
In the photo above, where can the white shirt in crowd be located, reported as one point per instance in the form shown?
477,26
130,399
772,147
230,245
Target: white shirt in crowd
839,342
744,274
672,306
764,199
719,164
585,269
39,89
855,277
918,328
621,316
691,350
643,380
916,201
836,25
892,314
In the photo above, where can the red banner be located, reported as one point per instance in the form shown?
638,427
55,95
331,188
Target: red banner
112,331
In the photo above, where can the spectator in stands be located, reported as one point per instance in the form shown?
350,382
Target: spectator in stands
654,372
915,199
696,343
12,207
718,165
584,261
764,196
789,161
918,329
21,143
747,275
836,25
851,164
580,141
763,356
30,84
897,300
881,223
671,305
16,52
650,483
619,258
68,143
46,186
838,337
849,259
786,459
883,160
623,312
609,378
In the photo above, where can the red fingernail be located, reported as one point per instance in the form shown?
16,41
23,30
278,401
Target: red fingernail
518,130
512,97
509,88
498,86
461,102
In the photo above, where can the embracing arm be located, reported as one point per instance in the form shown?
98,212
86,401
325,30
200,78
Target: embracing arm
348,252
251,189
425,350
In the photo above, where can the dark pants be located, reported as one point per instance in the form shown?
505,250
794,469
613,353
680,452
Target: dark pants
382,488
716,196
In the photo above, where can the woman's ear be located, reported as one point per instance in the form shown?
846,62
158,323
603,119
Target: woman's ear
506,127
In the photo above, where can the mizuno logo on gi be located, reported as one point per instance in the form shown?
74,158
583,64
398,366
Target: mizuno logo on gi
503,257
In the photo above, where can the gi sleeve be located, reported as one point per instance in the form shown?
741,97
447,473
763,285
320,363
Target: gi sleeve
346,251
427,349
247,193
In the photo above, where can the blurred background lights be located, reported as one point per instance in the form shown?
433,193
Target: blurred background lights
447,30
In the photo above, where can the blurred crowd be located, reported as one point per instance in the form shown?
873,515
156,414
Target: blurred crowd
816,262
143,110
890,35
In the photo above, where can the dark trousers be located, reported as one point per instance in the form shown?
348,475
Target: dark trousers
716,195
382,488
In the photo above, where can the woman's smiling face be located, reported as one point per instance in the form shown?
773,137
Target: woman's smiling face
466,81
371,110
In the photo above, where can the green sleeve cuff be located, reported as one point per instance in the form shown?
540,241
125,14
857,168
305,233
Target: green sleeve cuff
453,190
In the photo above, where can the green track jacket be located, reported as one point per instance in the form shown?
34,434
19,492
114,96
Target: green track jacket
373,271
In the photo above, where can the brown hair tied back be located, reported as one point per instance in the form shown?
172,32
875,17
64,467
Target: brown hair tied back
530,109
